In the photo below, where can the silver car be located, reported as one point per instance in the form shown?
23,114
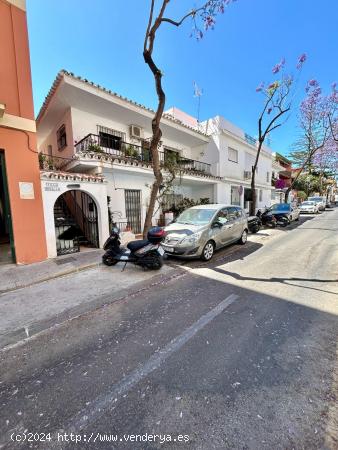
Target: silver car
199,231
309,207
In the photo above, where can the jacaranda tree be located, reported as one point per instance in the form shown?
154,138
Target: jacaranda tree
278,95
203,18
317,143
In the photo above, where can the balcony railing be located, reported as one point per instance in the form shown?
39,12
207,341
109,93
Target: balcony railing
95,144
52,162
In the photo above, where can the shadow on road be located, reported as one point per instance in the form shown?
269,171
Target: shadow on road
279,280
228,254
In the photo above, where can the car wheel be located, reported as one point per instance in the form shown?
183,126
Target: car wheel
296,220
243,238
208,251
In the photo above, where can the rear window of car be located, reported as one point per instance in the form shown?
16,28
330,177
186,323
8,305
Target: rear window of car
281,207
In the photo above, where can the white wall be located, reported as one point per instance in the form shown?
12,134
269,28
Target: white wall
51,139
86,123
118,182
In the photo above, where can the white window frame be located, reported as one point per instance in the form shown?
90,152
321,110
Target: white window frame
234,150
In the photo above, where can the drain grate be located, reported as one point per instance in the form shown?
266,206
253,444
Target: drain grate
59,262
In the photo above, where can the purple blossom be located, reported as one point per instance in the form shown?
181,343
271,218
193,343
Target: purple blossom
277,68
260,87
301,60
313,82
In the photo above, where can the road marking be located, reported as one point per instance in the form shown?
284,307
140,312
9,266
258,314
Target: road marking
102,403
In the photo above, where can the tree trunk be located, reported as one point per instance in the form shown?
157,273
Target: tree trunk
286,195
155,141
253,193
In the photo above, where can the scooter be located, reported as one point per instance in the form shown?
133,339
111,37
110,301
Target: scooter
266,219
146,253
254,224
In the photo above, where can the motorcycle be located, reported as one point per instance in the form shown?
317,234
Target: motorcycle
146,253
272,220
266,219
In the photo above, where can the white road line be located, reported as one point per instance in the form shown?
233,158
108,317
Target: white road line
102,403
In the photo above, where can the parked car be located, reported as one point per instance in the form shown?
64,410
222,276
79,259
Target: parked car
309,207
284,210
320,202
200,230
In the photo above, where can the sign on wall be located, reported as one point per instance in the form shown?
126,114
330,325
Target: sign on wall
49,186
26,190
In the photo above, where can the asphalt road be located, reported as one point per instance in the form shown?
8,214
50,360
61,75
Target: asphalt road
240,353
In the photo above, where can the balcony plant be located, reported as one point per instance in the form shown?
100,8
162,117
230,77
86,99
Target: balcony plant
94,148
131,152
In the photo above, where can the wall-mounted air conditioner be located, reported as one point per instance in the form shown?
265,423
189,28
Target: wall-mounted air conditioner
247,175
136,132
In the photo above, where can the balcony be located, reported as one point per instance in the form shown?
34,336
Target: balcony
96,145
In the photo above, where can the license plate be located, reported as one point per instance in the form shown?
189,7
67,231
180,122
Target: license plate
161,251
168,249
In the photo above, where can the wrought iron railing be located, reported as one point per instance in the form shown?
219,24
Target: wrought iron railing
94,144
51,162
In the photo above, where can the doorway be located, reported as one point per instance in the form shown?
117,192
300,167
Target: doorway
133,209
7,252
76,222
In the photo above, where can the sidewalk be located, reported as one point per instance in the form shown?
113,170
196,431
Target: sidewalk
15,277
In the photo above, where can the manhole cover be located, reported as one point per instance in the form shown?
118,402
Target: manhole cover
64,260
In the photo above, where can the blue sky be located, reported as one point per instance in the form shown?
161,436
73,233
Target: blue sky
102,40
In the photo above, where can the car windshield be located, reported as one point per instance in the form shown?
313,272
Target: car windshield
308,203
280,207
195,216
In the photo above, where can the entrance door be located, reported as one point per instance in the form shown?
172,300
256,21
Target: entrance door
133,209
76,222
7,251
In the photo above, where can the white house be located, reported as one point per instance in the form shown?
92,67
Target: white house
232,153
99,143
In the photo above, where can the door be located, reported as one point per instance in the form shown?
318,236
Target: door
7,249
235,216
223,235
133,209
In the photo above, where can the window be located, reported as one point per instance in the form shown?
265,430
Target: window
222,216
110,138
267,177
171,156
261,195
235,196
233,214
50,151
233,155
61,137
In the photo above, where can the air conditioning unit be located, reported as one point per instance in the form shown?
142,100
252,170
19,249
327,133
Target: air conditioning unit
136,132
247,174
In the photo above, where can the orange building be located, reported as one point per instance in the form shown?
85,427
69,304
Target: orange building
22,231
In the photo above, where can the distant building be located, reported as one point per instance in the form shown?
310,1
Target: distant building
233,152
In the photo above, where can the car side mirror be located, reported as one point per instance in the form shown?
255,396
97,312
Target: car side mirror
216,225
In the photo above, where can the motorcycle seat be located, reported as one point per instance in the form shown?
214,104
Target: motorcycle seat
136,245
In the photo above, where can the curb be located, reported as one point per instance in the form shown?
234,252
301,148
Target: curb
52,277
18,337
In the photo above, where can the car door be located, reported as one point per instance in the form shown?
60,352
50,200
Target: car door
222,233
235,215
